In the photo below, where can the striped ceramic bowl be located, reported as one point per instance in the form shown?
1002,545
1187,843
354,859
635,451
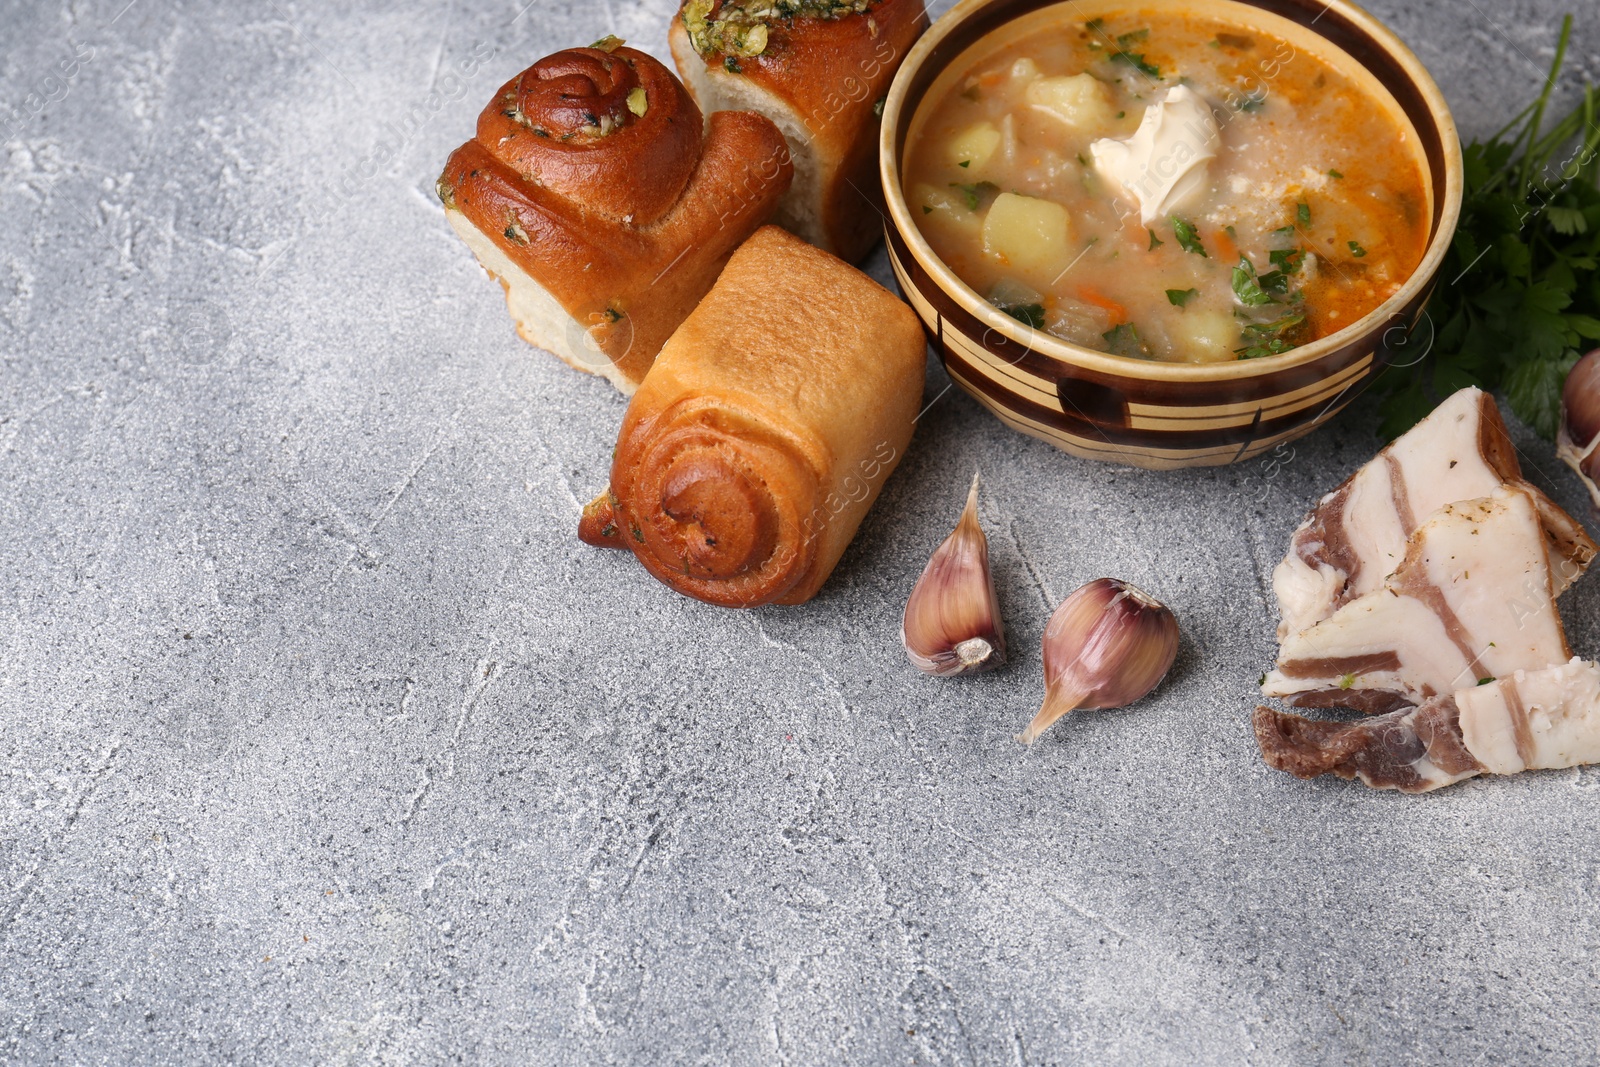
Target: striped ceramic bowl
1155,414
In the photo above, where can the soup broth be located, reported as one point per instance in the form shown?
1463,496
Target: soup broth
1168,186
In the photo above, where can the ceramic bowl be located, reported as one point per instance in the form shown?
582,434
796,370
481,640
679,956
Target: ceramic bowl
1142,412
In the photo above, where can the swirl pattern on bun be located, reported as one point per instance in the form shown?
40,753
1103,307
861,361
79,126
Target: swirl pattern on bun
570,129
605,204
765,430
734,497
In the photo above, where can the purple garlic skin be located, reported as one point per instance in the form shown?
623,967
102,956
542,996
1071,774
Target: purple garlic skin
1107,645
1578,443
952,622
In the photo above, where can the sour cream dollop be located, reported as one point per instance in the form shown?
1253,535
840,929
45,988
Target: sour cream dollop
1165,162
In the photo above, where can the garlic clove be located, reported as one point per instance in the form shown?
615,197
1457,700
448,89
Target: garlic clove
1578,443
1107,645
952,621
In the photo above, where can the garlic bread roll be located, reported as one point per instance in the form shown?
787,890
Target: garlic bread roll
765,429
820,70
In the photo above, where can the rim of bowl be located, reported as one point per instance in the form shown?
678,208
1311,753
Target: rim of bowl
1120,366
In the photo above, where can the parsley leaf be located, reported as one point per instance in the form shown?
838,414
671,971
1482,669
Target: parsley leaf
1288,260
1567,221
1181,297
1262,349
975,192
1188,237
1155,242
1276,326
1137,61
1302,214
1124,340
1247,287
1525,265
1356,249
1534,389
1032,314
1262,339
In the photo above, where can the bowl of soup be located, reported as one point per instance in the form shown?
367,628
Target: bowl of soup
1168,233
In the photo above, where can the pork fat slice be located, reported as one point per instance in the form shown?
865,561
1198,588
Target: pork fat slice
1532,720
1473,599
1535,719
1356,535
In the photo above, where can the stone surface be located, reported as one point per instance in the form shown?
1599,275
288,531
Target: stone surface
322,739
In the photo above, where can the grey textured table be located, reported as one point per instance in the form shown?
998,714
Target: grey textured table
322,739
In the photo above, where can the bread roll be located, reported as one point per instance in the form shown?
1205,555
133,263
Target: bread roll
605,206
821,74
766,428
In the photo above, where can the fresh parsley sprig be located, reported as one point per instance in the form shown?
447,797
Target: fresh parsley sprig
1519,292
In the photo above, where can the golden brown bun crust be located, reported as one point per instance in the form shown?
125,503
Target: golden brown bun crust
542,124
833,72
627,230
766,428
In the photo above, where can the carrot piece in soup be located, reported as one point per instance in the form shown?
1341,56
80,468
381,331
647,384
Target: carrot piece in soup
1090,295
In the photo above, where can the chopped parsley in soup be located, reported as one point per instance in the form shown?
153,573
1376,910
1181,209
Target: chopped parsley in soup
1168,187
